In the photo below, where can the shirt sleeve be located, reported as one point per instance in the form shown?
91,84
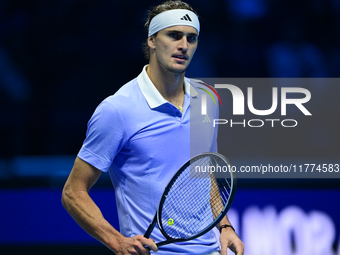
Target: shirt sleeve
105,137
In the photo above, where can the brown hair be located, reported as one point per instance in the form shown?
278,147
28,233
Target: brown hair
166,6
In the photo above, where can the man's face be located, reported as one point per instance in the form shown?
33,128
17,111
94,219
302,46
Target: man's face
174,47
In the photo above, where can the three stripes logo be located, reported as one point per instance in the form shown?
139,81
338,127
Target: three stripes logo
186,17
206,119
204,100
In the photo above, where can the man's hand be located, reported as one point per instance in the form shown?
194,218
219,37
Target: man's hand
229,239
137,245
79,204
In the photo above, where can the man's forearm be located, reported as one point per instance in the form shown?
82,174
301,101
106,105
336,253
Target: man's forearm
87,214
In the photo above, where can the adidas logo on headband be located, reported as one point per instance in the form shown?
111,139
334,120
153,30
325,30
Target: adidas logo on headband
186,17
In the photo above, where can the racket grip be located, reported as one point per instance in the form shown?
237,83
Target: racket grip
148,232
150,228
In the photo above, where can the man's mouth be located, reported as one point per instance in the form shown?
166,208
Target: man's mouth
184,57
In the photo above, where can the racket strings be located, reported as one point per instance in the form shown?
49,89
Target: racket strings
181,202
195,199
184,208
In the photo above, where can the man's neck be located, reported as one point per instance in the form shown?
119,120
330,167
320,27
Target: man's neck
169,84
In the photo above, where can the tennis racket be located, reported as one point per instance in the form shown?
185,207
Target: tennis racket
196,199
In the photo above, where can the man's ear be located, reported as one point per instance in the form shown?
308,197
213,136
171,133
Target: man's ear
151,42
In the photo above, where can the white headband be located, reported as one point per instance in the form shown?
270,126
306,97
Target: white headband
177,17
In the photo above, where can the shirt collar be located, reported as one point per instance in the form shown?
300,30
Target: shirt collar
152,95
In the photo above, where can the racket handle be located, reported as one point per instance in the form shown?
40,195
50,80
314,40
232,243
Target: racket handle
150,228
148,232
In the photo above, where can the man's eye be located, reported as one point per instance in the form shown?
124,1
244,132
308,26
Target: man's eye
175,36
191,39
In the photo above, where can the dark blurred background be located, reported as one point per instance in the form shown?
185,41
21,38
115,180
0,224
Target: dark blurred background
60,59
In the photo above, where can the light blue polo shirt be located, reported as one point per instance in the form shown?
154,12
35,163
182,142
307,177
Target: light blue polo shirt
142,140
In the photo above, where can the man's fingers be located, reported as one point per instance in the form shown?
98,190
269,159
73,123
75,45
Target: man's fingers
153,247
239,248
224,250
236,251
150,243
235,247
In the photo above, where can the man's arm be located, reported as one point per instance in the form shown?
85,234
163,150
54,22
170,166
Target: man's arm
77,201
229,239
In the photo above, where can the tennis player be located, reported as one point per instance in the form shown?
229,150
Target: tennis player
141,136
